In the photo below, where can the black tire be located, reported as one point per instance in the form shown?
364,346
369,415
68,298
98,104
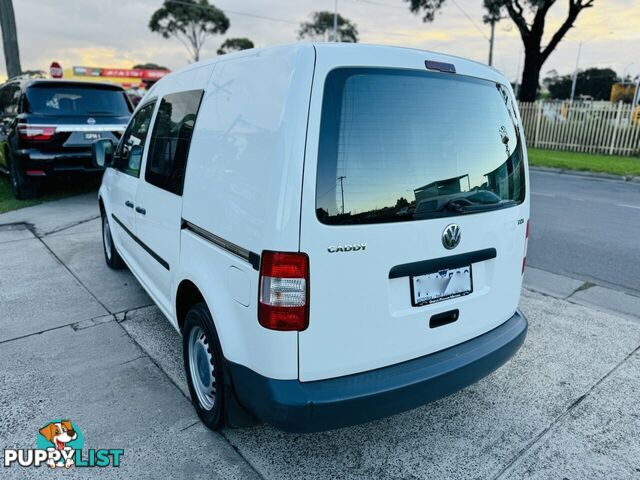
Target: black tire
23,188
199,322
111,255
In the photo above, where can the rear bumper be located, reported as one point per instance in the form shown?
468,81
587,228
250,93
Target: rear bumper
59,163
327,404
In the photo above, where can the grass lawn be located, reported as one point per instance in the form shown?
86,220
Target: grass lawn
585,161
59,188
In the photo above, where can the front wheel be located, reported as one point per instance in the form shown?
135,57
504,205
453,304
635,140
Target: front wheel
111,255
203,366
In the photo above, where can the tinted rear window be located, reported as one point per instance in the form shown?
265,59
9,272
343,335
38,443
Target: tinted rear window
401,145
53,99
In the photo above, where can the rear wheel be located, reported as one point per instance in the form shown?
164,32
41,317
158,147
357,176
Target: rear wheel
203,366
111,255
23,188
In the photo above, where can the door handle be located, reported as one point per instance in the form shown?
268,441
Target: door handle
128,204
141,211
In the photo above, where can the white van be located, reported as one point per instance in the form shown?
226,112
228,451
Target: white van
338,231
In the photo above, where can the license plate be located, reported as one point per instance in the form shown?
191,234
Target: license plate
92,136
441,285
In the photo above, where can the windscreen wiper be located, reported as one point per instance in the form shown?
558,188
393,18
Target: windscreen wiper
482,207
463,205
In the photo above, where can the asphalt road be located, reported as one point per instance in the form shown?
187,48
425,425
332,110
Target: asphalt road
586,228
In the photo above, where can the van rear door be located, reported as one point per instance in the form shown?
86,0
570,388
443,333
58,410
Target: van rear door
414,212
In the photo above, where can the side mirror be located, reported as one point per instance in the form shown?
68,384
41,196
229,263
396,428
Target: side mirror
102,153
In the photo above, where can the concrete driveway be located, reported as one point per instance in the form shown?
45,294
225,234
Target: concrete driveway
83,342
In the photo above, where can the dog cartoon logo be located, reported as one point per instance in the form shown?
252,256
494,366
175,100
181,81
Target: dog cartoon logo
60,443
63,436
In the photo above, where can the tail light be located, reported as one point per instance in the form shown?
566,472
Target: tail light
283,298
526,245
36,132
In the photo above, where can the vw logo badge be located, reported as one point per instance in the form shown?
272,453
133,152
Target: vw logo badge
91,120
451,236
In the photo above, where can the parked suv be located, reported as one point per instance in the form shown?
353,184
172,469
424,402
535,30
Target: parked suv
338,231
47,128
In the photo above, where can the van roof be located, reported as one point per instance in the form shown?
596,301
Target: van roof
479,69
69,83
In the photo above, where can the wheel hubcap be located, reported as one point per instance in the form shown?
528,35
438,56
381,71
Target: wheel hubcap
201,368
106,236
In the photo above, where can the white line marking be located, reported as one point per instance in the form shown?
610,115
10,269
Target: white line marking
544,194
628,206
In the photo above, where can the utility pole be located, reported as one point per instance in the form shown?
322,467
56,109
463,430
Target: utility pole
341,180
335,23
575,75
491,18
491,39
10,38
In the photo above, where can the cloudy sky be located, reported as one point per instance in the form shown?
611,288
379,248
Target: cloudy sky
114,33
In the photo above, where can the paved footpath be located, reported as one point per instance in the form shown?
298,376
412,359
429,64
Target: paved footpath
81,341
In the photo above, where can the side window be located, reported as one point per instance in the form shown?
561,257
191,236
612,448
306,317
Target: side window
11,100
170,140
130,148
4,99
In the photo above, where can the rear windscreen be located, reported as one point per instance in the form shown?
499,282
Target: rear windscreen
54,99
400,145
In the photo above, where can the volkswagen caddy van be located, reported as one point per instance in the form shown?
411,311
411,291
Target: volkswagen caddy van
338,231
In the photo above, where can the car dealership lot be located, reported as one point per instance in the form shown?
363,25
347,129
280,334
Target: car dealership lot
84,342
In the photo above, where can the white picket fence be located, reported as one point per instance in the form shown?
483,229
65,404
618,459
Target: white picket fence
590,127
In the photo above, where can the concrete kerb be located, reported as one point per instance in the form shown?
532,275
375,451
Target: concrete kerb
583,293
579,173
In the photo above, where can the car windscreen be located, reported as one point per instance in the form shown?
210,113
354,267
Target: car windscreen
51,99
402,145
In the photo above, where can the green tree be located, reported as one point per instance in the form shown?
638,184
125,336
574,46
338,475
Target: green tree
149,66
235,45
190,21
529,17
402,202
595,82
321,24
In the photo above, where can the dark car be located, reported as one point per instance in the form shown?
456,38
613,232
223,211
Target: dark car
47,128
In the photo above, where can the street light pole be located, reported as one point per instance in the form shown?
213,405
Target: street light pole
626,69
575,74
518,74
636,97
491,39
